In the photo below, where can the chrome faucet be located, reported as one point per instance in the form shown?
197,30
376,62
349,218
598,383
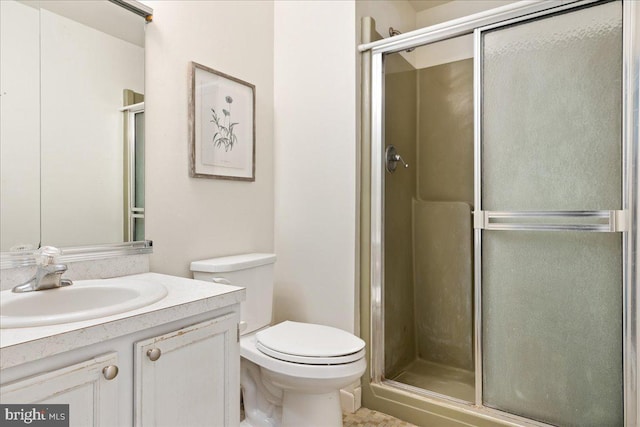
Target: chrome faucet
48,273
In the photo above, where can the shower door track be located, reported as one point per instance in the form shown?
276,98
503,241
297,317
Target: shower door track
618,221
462,406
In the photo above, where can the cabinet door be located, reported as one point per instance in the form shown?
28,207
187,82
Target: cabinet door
189,377
92,398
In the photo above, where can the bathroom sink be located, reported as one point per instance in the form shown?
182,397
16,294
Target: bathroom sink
84,300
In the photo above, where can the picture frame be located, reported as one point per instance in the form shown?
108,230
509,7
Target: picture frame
222,131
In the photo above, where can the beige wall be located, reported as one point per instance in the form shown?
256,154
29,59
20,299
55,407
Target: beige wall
315,158
195,218
314,191
455,9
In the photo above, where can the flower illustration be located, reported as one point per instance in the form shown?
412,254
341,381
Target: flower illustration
224,137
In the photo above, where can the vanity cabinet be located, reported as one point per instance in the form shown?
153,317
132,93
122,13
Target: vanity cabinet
181,373
189,377
90,388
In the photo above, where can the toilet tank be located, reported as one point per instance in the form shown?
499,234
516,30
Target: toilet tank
251,271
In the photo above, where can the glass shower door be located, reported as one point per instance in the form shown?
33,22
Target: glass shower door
549,216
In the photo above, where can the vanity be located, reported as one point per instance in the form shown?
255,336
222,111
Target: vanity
172,362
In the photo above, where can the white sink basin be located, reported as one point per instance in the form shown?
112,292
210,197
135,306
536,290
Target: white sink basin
85,299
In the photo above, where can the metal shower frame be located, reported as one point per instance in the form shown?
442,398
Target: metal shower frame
625,221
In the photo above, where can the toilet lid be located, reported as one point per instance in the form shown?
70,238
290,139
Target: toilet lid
309,344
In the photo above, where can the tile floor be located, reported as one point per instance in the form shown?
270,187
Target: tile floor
364,417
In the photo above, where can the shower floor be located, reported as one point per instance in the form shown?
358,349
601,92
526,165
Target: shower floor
454,382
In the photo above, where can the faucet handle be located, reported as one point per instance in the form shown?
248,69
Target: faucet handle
47,255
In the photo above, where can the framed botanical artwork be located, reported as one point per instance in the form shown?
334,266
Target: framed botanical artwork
222,128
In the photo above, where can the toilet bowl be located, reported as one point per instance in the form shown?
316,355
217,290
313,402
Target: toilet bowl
304,392
291,373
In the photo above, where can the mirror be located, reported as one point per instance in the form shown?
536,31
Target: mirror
71,124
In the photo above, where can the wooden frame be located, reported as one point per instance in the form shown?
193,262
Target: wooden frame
222,129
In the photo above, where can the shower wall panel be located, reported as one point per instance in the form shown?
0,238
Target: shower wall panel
400,189
442,215
444,301
445,151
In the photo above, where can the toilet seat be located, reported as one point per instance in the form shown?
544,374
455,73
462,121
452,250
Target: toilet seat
310,360
250,352
309,344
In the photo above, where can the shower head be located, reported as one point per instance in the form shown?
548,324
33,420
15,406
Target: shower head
394,32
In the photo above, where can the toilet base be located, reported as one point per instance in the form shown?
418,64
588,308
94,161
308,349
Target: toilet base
279,393
311,410
301,409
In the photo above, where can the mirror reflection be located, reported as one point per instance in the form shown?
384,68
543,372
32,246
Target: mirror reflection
71,124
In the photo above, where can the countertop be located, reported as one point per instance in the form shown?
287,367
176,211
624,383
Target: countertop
185,298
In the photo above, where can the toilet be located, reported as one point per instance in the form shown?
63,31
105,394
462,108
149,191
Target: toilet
290,373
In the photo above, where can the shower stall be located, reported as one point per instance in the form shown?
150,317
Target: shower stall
501,214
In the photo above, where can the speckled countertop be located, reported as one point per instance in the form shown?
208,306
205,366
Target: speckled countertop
186,297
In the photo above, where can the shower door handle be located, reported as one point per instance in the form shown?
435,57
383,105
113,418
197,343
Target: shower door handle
612,221
392,158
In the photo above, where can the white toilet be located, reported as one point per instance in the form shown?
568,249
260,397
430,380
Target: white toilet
291,373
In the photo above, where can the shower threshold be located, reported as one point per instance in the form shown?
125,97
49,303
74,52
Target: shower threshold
442,379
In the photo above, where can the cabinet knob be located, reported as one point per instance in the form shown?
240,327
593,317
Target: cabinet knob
110,372
154,354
